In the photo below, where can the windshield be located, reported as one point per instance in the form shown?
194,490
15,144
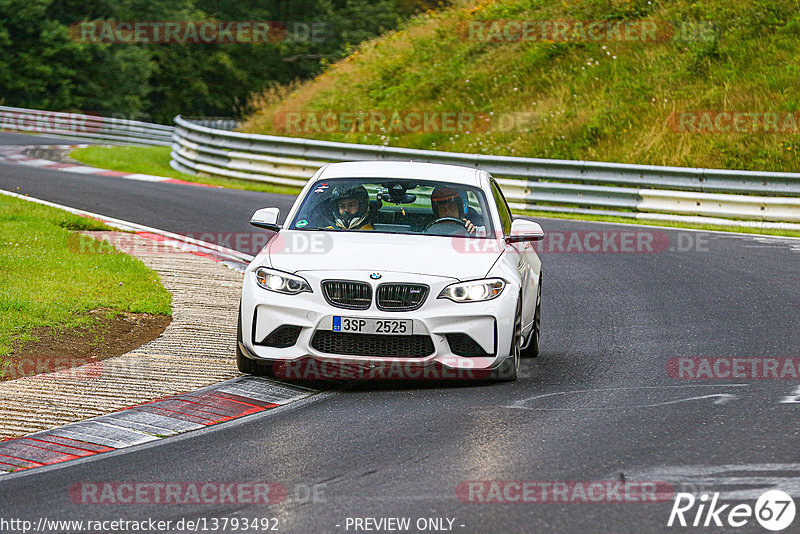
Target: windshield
397,206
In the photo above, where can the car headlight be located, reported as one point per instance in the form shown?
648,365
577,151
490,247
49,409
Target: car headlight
281,282
474,291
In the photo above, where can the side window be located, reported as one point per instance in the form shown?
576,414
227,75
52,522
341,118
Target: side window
473,203
502,208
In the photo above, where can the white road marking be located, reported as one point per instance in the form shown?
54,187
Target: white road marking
730,481
145,178
777,242
794,398
16,154
82,170
37,162
721,398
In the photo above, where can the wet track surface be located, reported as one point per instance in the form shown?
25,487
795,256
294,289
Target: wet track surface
600,403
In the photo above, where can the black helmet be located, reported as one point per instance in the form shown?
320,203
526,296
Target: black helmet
442,194
347,220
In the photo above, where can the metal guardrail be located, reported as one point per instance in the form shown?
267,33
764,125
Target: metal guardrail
218,123
82,126
528,183
208,146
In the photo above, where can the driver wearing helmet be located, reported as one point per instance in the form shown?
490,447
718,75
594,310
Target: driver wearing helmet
350,208
448,203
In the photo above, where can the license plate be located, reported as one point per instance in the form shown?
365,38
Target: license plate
361,325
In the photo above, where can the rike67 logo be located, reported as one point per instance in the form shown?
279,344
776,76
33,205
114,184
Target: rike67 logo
774,510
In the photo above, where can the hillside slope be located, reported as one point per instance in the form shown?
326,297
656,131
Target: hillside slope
632,95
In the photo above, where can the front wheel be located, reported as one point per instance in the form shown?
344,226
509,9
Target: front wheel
532,350
245,364
508,371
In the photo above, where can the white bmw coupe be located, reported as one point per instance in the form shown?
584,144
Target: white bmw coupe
395,270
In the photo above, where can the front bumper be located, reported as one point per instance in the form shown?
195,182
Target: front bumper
488,323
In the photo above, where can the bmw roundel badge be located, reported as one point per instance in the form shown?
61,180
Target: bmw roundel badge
375,276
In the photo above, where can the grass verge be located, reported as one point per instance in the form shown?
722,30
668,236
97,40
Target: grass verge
46,282
155,161
576,96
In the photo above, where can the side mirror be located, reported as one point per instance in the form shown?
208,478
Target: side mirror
522,230
266,218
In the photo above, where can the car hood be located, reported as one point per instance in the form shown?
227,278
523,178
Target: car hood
453,257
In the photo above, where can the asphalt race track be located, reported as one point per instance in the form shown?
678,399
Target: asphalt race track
599,404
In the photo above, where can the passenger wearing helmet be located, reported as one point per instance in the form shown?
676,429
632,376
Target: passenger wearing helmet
350,208
448,203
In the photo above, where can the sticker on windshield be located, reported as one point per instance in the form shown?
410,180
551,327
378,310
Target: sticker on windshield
301,223
321,188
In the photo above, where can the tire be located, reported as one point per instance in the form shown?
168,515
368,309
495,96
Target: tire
245,364
532,350
508,371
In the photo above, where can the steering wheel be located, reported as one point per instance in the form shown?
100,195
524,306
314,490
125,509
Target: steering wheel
447,228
